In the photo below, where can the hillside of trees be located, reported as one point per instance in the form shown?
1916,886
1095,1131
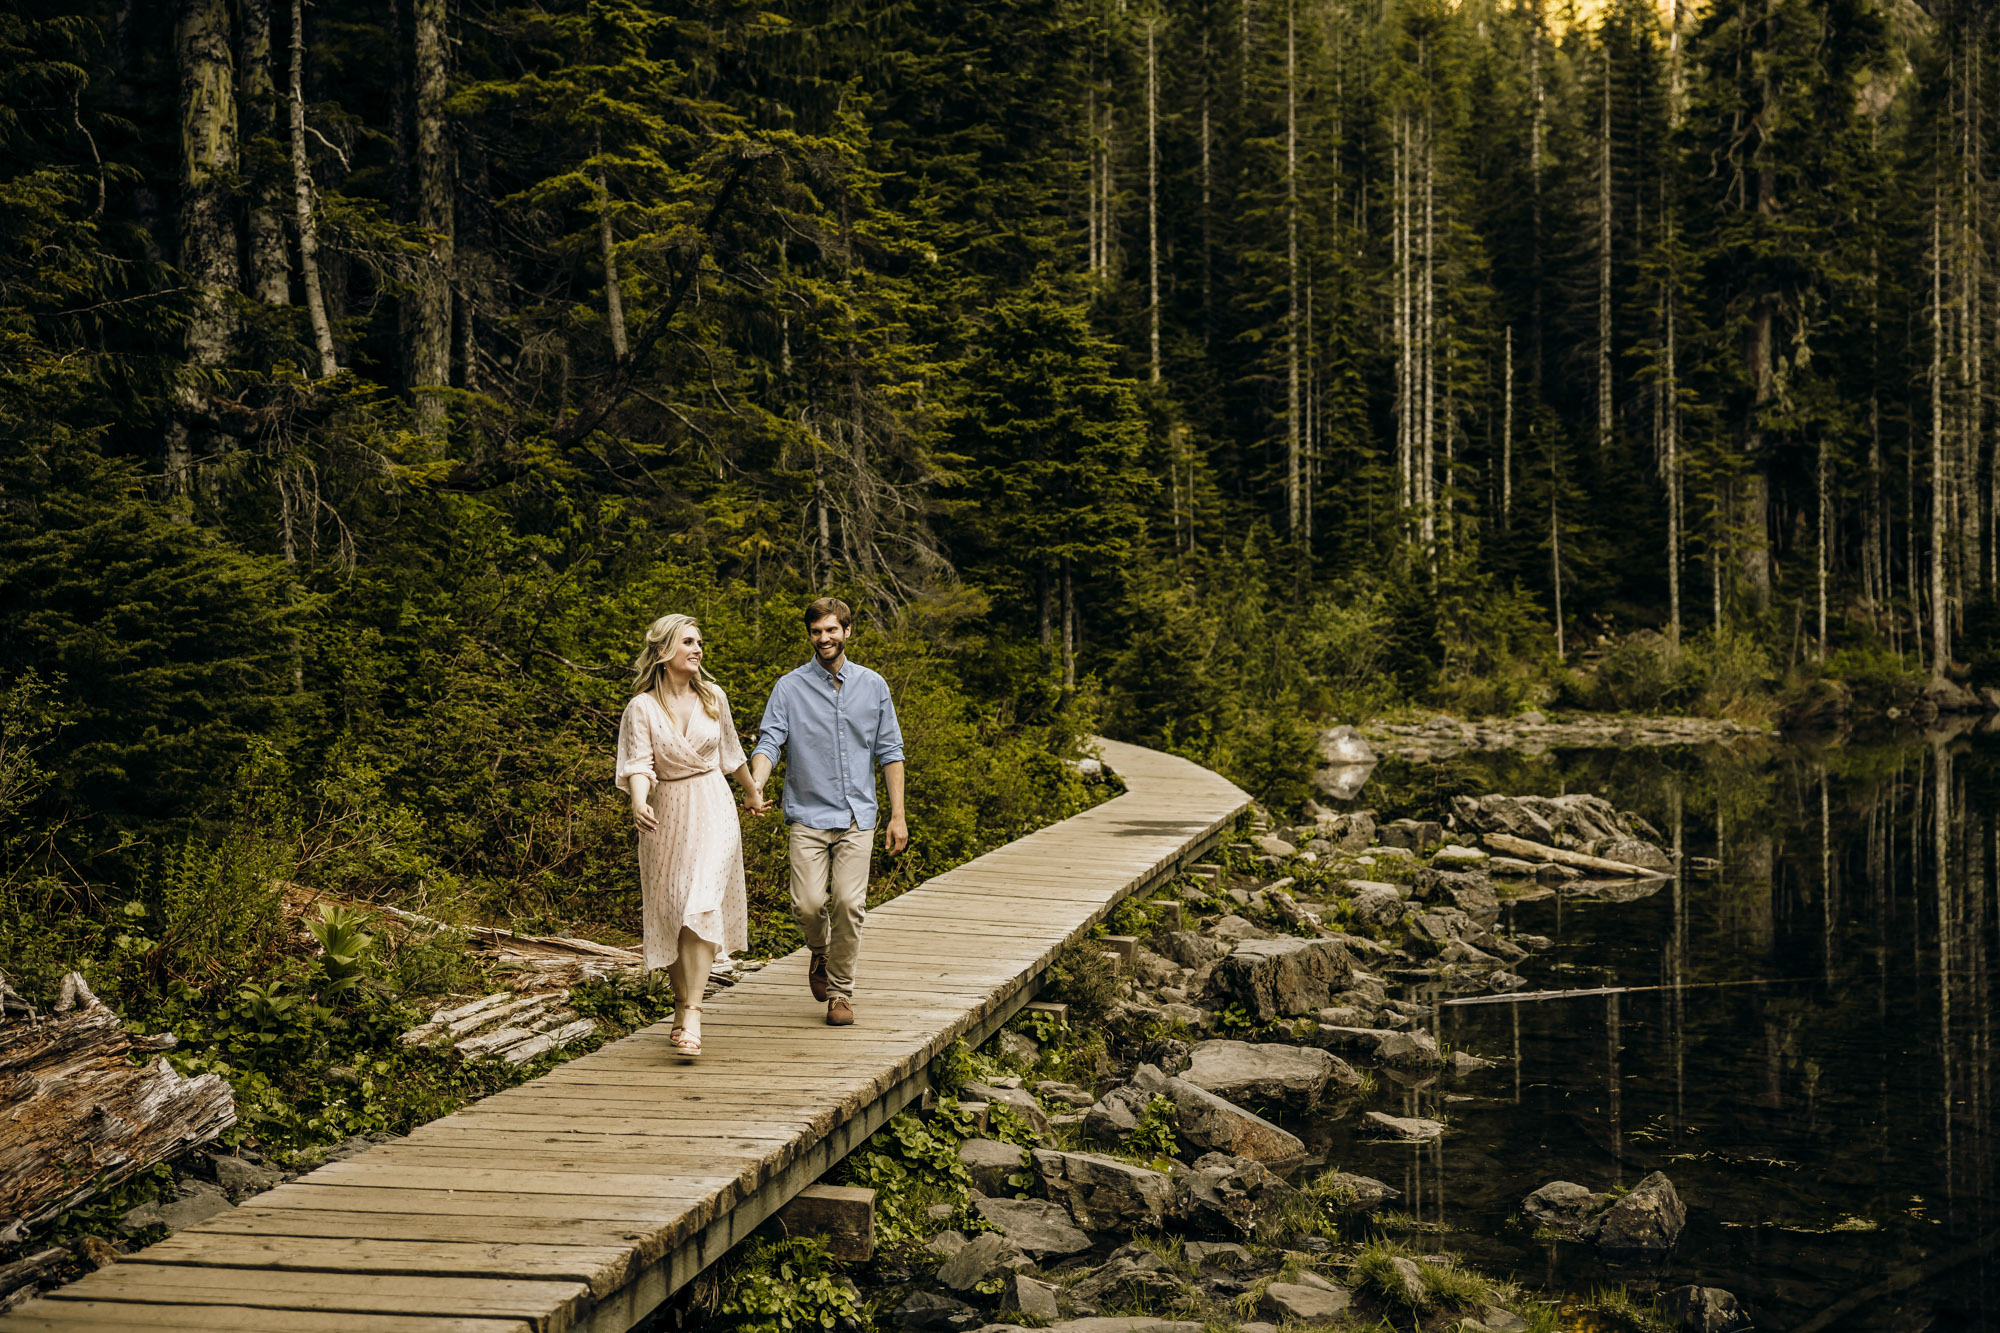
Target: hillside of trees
371,371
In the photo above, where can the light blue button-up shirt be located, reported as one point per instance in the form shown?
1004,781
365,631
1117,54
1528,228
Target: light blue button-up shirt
832,739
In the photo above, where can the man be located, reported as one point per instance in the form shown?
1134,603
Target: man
835,722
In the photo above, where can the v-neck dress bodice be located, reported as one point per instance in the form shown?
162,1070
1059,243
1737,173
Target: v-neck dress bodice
691,864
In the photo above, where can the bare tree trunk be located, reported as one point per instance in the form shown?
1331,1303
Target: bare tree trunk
1825,535
1153,197
270,277
429,349
1507,427
614,296
207,230
1207,199
1940,630
1670,429
1604,264
1427,339
1292,447
302,198
1555,546
1068,628
1091,145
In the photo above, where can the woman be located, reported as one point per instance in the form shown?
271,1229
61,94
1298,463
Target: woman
676,743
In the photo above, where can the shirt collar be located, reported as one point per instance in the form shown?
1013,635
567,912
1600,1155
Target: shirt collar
831,677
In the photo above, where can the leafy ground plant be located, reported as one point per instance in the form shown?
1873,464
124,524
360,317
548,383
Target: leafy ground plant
780,1286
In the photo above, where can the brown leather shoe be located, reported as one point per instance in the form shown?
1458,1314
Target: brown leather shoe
839,1012
816,976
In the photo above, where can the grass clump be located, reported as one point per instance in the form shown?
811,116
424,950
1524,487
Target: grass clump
1398,1279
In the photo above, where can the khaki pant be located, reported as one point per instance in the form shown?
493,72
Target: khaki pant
830,896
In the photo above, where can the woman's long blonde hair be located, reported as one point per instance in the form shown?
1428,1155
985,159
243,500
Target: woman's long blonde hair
649,668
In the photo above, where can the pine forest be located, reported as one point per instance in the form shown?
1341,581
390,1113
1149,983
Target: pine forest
1200,373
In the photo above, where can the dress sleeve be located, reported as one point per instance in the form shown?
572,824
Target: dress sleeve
731,754
635,742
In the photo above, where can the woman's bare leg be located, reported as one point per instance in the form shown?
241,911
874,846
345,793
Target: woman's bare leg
689,973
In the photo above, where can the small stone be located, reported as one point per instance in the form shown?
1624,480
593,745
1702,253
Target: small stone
94,1252
1103,1193
1037,1300
1703,1309
1645,1223
1562,1203
939,1212
1067,1093
1452,856
981,1258
1017,1099
1264,1073
1038,1227
1359,1193
989,1162
1463,1063
1235,929
1413,1129
1406,1281
241,1177
1273,846
1493,1319
930,1309
1307,1304
946,1243
1218,1255
1376,904
1019,1048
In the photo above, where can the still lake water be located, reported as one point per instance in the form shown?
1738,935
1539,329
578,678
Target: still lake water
1830,1126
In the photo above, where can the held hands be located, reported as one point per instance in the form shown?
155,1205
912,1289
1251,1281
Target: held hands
755,803
643,816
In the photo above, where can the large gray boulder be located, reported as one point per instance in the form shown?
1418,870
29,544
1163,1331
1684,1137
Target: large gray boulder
1351,832
1233,930
1208,1121
1234,1193
1389,1046
1039,1228
1704,1310
984,1257
1102,1193
989,1162
1267,1074
1037,1300
1643,1224
1562,1203
1283,978
1133,1275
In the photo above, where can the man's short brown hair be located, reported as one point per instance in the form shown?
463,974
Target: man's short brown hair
830,606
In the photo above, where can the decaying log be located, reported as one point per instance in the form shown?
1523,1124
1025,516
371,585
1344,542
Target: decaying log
512,1027
1503,842
77,1115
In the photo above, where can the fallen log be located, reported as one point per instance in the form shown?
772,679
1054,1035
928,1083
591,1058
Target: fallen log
76,1115
1506,842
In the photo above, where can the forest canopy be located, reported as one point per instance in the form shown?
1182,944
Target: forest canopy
371,371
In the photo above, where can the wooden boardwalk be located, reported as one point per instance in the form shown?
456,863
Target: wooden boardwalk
585,1198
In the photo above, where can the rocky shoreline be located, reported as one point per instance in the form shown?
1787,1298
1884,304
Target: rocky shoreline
1442,736
1155,1189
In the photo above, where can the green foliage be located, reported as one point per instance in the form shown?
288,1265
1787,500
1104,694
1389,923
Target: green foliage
1083,979
1153,1137
911,1166
1440,1286
345,947
779,1286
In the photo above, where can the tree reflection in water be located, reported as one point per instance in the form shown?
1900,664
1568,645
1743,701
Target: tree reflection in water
1828,1130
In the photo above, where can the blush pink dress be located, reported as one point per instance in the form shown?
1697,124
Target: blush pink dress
691,865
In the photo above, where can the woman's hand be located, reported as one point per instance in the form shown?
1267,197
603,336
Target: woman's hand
643,816
754,802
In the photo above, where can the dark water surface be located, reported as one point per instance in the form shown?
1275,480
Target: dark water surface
1829,1130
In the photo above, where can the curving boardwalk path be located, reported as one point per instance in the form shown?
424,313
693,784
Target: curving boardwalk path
585,1198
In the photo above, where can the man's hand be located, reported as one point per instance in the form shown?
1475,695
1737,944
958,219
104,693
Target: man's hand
754,802
897,836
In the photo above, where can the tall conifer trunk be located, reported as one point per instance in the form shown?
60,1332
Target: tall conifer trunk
1292,445
1152,200
1940,496
1604,257
429,326
302,203
270,276
208,237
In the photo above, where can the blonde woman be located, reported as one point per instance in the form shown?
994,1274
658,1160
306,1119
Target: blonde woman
677,750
